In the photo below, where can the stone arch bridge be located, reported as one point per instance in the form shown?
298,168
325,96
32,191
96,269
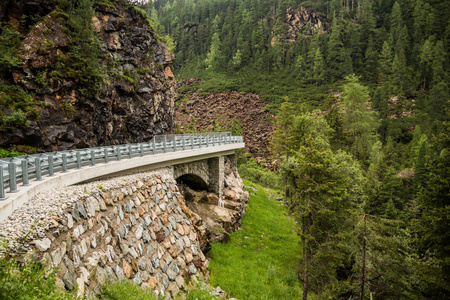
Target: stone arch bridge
198,161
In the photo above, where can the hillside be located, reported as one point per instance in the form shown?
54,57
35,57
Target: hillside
236,112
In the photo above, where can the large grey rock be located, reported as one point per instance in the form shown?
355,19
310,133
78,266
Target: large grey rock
43,245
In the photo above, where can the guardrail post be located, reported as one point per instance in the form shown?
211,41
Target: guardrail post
174,142
130,151
141,148
50,166
192,142
92,158
153,146
184,143
106,155
25,181
164,144
64,162
199,141
12,177
37,162
214,139
78,154
118,152
2,185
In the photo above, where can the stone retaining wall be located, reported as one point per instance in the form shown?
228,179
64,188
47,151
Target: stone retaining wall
135,229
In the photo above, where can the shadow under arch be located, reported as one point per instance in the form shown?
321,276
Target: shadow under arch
193,181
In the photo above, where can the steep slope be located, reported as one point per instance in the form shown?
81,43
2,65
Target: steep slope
238,112
95,74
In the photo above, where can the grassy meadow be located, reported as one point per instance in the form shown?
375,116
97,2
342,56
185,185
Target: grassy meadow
260,260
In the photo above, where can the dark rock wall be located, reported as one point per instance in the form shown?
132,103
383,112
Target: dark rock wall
123,110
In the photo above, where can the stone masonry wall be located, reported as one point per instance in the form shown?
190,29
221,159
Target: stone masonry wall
216,171
135,227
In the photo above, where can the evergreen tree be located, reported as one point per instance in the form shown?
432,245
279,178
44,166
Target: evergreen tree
426,58
370,69
320,187
336,52
385,62
434,222
359,120
438,65
318,67
382,255
214,56
420,172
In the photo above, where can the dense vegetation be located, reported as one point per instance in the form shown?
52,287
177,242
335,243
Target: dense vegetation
363,139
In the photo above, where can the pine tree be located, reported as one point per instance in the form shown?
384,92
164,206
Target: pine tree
382,255
385,62
320,187
318,67
438,63
370,62
434,223
359,120
426,58
214,56
420,173
336,52
281,137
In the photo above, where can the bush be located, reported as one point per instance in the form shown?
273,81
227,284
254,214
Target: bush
18,120
256,172
5,153
28,280
9,42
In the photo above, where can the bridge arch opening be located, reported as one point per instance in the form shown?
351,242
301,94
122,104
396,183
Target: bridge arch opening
193,181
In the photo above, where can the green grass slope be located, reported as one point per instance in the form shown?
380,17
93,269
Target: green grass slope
260,260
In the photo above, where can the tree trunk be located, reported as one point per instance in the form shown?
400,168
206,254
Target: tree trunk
363,267
305,283
306,259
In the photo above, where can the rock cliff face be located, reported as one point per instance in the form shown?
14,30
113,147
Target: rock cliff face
304,21
133,101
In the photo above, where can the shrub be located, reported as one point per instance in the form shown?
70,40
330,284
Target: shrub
5,153
9,42
28,280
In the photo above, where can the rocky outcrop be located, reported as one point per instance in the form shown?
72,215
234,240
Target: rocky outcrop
133,102
18,13
236,111
304,21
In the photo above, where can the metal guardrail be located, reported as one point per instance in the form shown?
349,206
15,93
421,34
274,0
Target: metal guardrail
22,169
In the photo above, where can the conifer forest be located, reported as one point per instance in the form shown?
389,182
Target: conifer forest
360,90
